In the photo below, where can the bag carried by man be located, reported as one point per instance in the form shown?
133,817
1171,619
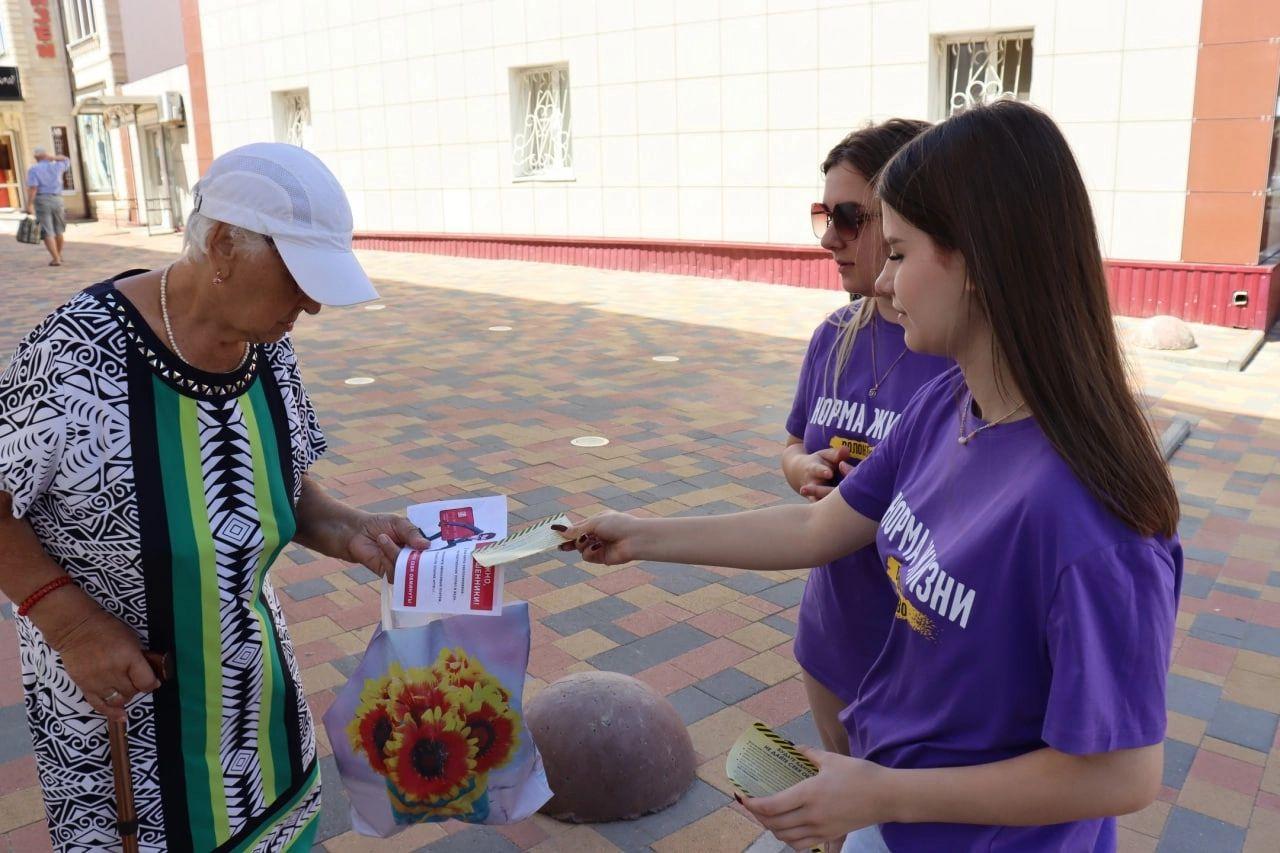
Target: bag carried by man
28,231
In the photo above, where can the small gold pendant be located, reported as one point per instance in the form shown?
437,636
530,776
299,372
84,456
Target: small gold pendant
964,439
872,392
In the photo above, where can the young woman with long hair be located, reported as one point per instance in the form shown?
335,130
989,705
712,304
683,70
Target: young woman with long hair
1020,507
855,381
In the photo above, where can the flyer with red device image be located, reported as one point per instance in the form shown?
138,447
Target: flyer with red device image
462,570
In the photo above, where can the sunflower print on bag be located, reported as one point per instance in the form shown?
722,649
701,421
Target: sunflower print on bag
434,734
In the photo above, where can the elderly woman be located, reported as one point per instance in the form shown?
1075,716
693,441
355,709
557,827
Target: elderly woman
155,437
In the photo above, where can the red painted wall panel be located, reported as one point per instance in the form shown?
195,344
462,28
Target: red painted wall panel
1199,293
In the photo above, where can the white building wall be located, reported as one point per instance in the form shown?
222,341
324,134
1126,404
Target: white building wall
697,119
152,33
184,168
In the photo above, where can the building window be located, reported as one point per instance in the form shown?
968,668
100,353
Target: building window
983,69
542,142
79,17
95,146
293,117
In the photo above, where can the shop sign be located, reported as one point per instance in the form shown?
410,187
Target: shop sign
44,29
10,84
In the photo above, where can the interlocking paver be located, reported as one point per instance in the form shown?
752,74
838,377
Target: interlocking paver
1191,697
692,704
1187,831
731,685
1241,724
481,413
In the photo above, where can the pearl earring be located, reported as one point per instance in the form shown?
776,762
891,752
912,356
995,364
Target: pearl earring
217,278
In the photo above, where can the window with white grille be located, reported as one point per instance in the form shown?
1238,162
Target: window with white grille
293,117
983,68
80,19
541,123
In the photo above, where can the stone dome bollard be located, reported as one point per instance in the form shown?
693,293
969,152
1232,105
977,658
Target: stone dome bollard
614,749
1161,332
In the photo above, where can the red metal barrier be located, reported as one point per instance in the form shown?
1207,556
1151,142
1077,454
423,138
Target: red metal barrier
1246,297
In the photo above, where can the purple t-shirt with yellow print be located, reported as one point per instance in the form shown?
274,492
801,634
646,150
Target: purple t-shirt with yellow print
848,604
1028,615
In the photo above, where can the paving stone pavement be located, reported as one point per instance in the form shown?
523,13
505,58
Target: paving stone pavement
455,409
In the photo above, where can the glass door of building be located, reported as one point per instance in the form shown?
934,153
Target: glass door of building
11,190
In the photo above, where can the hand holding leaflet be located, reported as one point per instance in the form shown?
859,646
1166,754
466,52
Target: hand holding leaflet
456,576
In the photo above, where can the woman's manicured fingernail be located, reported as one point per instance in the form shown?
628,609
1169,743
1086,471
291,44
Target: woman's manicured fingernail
568,546
559,528
595,547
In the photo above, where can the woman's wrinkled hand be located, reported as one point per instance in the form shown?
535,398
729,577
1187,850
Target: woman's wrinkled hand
821,470
378,540
104,658
609,538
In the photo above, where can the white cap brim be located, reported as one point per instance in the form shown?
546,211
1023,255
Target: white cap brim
329,277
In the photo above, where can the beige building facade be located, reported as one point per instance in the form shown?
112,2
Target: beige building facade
128,66
35,101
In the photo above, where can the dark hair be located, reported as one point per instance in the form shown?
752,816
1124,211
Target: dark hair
998,183
869,148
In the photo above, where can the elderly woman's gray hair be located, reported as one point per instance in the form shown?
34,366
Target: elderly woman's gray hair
199,230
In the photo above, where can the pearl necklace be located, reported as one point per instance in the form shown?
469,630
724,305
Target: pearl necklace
965,438
168,326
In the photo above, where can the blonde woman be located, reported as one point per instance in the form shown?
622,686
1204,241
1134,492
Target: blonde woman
856,378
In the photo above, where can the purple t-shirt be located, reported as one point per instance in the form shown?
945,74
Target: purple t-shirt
1028,614
847,604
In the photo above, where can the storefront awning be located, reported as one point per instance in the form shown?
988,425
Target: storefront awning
118,110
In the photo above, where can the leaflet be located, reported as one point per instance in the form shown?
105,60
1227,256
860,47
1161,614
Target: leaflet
461,572
534,539
763,762
447,581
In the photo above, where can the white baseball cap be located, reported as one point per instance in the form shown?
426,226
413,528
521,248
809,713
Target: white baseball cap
287,194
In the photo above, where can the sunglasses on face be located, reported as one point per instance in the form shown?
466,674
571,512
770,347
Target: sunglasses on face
848,218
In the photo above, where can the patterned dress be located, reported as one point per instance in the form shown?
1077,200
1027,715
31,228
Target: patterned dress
166,493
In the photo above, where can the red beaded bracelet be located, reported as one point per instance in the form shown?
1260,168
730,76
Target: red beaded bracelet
34,598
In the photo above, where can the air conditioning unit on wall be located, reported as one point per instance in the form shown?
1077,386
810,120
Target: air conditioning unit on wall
171,108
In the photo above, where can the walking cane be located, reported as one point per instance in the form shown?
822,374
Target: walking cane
118,734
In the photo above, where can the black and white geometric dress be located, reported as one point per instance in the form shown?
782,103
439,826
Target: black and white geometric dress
166,493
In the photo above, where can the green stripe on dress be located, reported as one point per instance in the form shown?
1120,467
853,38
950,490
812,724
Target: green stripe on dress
285,812
194,581
277,529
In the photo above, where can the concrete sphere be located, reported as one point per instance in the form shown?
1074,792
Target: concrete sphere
1162,332
614,749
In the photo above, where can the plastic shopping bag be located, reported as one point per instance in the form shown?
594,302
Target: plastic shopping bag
430,726
28,231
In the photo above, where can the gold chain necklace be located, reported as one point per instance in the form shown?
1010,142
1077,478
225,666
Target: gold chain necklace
965,438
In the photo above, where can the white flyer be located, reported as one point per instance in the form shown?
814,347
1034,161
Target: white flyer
461,572
447,524
446,581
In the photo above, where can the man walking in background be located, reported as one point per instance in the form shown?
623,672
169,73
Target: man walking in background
44,199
